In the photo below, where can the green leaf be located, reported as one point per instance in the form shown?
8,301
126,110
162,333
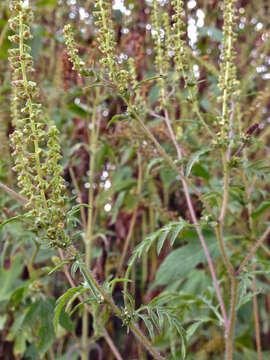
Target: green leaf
117,205
12,219
78,110
131,300
10,278
74,268
181,261
46,335
47,3
195,158
194,327
176,231
159,235
3,319
116,117
76,208
211,31
149,325
152,163
162,239
61,302
260,209
65,321
148,79
200,171
59,266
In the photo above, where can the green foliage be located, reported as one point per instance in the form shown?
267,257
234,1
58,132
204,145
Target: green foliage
142,223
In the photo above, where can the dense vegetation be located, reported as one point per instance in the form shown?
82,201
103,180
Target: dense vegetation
134,179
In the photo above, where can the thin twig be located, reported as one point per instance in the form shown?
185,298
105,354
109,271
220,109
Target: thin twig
13,193
252,251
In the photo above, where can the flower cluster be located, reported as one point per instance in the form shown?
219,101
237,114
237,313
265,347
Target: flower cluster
138,98
178,44
35,141
106,41
228,83
103,21
179,47
72,51
159,34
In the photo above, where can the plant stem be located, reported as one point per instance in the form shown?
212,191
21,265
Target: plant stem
13,193
32,261
89,228
253,249
167,157
256,317
106,334
132,325
232,319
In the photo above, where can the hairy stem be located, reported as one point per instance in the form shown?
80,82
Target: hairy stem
253,249
256,317
89,228
232,319
132,325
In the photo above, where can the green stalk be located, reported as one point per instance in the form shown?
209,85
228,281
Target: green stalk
33,258
232,319
132,325
89,229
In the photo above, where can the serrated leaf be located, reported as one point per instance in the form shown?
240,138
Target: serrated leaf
176,231
154,318
60,303
73,298
88,281
12,219
162,239
74,268
59,266
131,300
76,208
160,317
195,158
149,325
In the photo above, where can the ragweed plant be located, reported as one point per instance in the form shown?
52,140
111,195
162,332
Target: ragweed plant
167,165
36,148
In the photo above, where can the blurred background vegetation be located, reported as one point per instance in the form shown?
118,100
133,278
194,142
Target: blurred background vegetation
124,209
